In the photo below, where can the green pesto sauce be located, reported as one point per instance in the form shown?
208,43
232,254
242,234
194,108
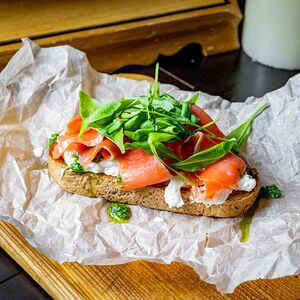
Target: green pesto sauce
267,192
53,138
245,227
118,212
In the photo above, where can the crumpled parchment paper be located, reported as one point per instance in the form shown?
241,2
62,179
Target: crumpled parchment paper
39,95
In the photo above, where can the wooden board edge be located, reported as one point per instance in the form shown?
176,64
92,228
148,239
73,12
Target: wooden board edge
45,274
215,29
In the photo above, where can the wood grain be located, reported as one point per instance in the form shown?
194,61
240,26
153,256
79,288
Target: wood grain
140,42
17,21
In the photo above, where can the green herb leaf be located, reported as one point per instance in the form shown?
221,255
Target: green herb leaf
242,132
53,138
129,113
163,104
193,100
139,145
93,111
114,126
162,150
141,134
185,111
118,212
118,138
205,158
155,85
161,137
135,122
153,146
194,119
76,166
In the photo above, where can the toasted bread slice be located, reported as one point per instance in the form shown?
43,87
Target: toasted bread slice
101,185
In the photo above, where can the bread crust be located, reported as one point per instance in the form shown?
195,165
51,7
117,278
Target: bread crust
101,185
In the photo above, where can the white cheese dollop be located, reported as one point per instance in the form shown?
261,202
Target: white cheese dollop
173,195
69,156
108,167
172,192
219,198
247,183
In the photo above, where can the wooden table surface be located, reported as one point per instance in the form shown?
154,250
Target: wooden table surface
234,77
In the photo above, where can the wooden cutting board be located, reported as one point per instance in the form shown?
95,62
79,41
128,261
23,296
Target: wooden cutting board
136,280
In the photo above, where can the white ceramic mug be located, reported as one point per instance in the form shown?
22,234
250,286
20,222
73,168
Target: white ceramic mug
271,32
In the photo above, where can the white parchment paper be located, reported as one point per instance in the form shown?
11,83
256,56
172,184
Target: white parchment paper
39,95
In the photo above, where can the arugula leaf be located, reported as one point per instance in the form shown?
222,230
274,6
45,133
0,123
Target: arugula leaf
185,111
164,104
162,150
205,158
53,138
153,146
167,97
147,125
139,145
193,100
242,132
165,152
160,137
118,138
97,115
155,85
141,134
194,119
115,125
91,111
129,113
135,122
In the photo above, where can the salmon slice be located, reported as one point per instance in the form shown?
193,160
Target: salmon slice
90,138
225,173
108,149
74,125
194,144
205,119
78,148
139,169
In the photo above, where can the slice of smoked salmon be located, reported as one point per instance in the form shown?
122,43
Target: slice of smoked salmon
194,144
74,125
78,148
225,173
108,149
139,169
205,119
90,138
